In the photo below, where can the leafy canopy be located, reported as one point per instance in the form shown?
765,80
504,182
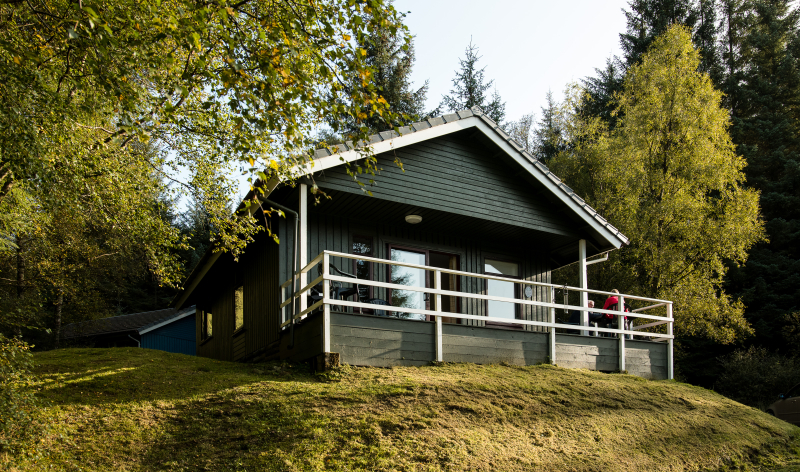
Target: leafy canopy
669,178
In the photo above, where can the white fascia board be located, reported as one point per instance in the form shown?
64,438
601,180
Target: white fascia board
398,142
171,320
540,176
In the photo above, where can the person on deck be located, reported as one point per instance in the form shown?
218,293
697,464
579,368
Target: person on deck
612,301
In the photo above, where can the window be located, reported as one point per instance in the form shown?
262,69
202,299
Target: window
363,269
238,307
206,326
411,277
500,288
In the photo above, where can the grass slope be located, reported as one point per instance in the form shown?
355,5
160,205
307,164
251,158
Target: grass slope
137,409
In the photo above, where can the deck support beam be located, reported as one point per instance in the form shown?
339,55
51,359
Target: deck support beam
437,284
670,348
303,206
552,330
326,307
583,282
621,325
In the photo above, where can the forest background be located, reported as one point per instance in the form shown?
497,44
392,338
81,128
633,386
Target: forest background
192,94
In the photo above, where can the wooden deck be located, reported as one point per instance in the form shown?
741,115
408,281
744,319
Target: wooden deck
366,340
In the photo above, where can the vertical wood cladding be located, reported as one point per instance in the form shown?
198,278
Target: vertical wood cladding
458,176
257,272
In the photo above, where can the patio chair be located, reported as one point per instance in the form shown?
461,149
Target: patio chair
339,292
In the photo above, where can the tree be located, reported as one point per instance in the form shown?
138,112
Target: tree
646,20
390,56
766,117
548,136
469,89
215,83
86,88
669,178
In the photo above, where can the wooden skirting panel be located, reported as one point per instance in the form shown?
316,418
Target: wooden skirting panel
646,359
307,340
381,342
365,340
493,346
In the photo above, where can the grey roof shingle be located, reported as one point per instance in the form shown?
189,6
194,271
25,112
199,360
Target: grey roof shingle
475,111
120,324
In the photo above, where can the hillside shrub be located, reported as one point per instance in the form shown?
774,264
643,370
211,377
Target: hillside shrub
756,376
20,409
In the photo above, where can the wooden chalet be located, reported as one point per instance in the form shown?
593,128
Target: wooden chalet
449,260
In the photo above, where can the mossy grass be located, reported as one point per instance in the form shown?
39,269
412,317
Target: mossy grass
137,409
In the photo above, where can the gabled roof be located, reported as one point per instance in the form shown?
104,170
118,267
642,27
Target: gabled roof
139,322
432,128
464,119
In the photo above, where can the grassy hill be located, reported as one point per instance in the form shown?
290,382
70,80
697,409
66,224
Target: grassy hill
137,409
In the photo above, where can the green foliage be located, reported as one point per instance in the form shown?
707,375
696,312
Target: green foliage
102,103
20,410
757,376
390,56
766,119
470,87
669,178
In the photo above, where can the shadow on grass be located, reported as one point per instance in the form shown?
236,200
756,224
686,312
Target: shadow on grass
74,376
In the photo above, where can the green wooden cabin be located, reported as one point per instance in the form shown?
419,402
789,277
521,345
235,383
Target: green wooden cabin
486,220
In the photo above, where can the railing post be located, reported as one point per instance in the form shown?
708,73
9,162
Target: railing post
621,326
437,284
584,284
670,359
326,307
552,328
303,240
283,308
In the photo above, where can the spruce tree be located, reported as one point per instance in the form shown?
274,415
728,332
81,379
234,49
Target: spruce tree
767,130
469,89
391,60
549,136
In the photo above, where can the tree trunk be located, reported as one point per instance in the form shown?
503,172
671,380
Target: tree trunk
20,279
59,304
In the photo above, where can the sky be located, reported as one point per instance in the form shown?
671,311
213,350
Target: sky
528,47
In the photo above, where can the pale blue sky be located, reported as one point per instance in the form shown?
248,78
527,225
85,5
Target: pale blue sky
527,47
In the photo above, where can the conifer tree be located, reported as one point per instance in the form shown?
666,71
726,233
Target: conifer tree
548,136
469,89
390,56
767,130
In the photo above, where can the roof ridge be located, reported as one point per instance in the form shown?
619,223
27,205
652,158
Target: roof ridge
477,112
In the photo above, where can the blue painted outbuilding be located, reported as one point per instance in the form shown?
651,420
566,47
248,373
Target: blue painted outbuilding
176,334
165,330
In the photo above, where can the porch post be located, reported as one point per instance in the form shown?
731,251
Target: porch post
621,325
437,284
552,328
583,283
303,241
326,307
670,347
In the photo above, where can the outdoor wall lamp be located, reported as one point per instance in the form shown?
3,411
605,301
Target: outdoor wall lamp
413,219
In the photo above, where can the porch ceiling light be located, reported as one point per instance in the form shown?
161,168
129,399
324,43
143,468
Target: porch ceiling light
413,219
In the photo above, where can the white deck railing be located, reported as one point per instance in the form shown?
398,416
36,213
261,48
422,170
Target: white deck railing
639,330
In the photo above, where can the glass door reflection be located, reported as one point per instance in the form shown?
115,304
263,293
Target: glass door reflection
410,277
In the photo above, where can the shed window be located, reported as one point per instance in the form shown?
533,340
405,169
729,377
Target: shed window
206,328
238,307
